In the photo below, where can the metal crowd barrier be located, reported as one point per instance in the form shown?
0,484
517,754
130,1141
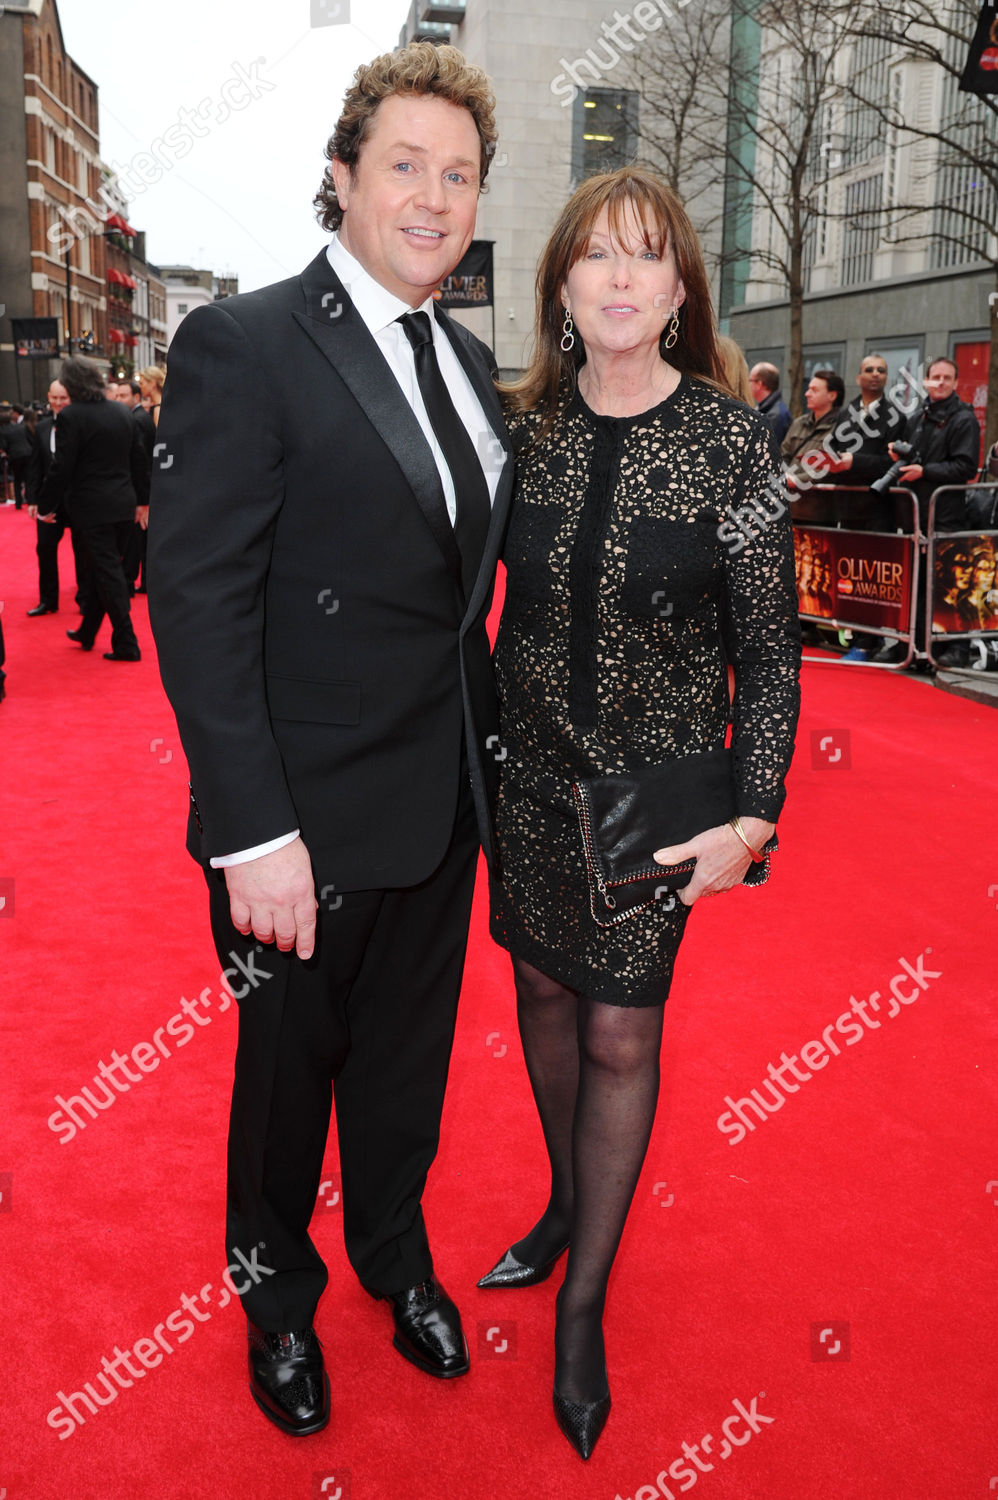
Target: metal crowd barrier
904,544
934,544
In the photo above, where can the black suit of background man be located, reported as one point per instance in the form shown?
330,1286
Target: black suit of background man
51,533
134,561
100,473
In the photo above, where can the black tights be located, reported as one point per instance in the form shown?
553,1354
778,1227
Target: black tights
594,1071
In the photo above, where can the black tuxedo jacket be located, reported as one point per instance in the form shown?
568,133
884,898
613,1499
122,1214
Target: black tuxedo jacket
147,427
41,459
324,669
100,470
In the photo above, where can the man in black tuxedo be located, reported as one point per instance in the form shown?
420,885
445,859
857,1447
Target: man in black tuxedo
101,474
52,531
331,491
129,394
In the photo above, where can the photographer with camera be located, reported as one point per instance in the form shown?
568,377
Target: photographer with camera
856,455
945,440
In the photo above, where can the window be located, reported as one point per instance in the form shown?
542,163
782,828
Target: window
966,203
604,131
822,357
903,356
181,309
861,233
864,129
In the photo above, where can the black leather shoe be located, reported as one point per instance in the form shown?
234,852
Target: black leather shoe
510,1272
582,1421
428,1330
135,655
43,609
77,635
288,1380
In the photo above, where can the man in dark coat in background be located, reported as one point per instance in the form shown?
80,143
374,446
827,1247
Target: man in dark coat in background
100,469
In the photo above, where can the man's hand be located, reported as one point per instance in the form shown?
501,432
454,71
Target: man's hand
142,516
910,474
722,859
840,464
274,898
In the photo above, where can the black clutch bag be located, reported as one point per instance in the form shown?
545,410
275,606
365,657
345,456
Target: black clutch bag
625,818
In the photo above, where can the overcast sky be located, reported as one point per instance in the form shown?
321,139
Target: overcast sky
235,195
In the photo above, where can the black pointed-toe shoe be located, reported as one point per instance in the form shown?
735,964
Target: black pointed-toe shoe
43,609
582,1421
77,636
510,1272
288,1380
428,1330
123,655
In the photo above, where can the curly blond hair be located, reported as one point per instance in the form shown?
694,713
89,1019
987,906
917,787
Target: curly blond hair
420,68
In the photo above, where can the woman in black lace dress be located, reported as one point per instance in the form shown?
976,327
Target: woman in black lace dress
629,587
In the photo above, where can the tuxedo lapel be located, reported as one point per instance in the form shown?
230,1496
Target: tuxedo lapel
333,324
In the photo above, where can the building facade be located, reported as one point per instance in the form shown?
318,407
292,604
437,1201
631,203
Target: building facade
67,250
568,105
901,249
186,288
50,266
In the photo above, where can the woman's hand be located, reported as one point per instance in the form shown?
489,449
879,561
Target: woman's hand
721,857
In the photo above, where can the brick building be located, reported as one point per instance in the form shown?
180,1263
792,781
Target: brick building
67,250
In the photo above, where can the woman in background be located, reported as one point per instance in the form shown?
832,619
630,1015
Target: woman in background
736,370
151,381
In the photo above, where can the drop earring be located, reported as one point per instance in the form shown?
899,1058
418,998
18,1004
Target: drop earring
672,337
567,333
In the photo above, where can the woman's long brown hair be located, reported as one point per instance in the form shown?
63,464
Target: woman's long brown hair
550,379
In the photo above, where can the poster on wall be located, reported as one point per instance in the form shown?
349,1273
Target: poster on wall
857,578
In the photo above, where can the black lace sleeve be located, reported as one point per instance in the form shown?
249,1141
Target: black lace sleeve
765,633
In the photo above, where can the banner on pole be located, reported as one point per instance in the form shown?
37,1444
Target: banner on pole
471,282
980,76
35,338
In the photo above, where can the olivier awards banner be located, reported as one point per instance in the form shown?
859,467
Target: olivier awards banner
980,76
855,578
470,284
964,597
35,338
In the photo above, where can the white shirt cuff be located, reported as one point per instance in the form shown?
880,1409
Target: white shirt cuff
245,855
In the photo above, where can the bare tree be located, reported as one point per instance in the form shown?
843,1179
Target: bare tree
948,197
749,130
680,74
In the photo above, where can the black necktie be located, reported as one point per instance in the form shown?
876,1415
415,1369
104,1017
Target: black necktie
474,509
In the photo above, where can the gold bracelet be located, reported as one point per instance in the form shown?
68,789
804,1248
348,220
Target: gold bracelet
736,827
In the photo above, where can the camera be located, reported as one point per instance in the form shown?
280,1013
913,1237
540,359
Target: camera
887,481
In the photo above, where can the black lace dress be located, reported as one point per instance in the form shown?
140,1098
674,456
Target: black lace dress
623,607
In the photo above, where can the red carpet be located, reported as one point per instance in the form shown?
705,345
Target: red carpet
814,1288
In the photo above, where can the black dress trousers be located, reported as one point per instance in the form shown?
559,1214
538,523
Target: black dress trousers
369,1020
